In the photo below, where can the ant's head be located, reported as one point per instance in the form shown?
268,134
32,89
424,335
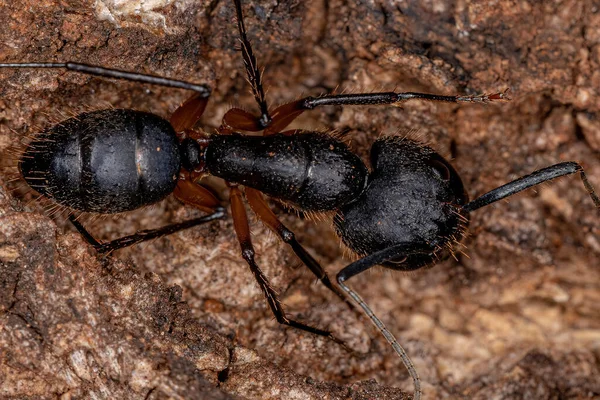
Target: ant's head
413,196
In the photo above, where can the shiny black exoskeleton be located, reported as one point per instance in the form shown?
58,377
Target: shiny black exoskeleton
115,160
413,196
111,161
312,171
106,161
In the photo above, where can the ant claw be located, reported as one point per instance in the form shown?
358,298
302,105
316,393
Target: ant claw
499,96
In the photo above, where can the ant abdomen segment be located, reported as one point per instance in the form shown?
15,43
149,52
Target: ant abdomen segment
106,161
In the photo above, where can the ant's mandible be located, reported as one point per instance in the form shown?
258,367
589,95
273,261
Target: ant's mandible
407,212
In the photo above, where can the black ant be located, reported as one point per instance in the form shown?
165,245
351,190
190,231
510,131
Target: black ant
407,212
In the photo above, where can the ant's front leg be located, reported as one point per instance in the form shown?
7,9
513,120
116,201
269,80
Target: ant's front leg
285,114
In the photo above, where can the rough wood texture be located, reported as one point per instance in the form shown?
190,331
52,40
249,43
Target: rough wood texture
517,318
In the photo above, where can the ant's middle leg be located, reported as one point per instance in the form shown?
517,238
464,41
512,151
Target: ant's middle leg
262,210
238,119
282,116
185,191
242,229
252,71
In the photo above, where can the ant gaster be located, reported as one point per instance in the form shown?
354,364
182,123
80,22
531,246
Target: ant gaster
407,212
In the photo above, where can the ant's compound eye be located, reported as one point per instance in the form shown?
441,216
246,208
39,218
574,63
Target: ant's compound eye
440,169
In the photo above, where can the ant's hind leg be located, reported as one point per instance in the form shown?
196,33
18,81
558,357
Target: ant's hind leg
96,70
183,118
187,192
262,210
188,114
144,235
242,230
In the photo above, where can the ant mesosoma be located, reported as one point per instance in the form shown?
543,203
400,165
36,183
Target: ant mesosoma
406,212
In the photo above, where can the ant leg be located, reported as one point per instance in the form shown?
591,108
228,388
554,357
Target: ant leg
142,236
195,195
87,69
242,230
262,210
535,178
285,114
186,191
183,118
237,118
366,263
252,71
187,114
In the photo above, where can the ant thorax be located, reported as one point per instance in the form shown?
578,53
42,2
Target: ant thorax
311,171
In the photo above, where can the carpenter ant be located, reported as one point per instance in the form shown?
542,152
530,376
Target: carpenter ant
405,213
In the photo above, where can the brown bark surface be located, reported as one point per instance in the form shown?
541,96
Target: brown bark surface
517,317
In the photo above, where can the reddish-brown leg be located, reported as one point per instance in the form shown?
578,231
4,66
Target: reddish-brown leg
189,113
240,222
195,195
264,213
237,119
285,114
186,191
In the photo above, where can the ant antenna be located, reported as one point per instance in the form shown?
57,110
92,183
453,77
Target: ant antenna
412,371
362,265
535,178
